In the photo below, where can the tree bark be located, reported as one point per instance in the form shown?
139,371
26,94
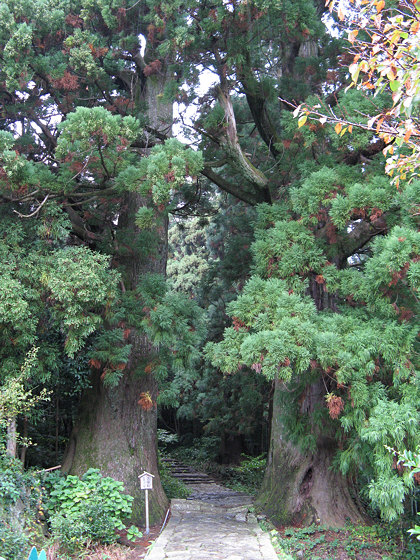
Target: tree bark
114,431
301,487
11,438
115,435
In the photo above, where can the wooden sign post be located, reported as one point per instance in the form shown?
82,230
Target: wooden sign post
146,484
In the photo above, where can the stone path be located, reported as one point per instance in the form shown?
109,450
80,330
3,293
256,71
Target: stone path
212,524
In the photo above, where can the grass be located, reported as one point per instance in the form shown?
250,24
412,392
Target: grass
377,542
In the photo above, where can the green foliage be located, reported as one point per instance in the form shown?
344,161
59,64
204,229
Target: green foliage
91,523
189,257
280,331
350,542
145,218
21,504
248,476
133,533
14,483
167,168
201,451
173,487
332,298
90,134
287,250
175,326
209,260
411,460
166,440
13,542
73,498
15,399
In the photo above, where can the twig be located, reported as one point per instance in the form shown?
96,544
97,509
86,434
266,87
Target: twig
35,212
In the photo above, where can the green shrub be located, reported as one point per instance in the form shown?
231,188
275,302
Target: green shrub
201,451
71,495
20,502
92,523
87,509
13,543
166,440
248,476
16,484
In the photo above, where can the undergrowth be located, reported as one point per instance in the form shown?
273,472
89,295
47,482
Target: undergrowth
377,542
246,477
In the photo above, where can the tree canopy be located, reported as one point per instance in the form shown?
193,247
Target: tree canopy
91,176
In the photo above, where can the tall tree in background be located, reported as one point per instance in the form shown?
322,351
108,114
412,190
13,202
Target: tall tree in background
81,109
210,259
336,262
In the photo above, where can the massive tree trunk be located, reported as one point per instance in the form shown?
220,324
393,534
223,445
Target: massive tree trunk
116,428
116,435
301,487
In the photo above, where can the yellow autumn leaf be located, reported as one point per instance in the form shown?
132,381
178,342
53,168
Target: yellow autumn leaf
415,27
352,35
350,129
392,74
380,6
338,127
340,13
302,120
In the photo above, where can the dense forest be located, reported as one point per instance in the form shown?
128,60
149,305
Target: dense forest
209,236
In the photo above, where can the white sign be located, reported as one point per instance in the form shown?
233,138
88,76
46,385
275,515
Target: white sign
146,484
146,481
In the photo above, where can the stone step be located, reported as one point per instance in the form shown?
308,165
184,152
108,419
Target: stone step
181,507
188,475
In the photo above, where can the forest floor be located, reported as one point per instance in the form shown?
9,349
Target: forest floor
349,543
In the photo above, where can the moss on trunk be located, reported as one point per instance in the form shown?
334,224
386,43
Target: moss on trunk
114,434
302,488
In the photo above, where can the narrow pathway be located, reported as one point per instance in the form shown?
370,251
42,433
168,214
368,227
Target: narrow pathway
212,524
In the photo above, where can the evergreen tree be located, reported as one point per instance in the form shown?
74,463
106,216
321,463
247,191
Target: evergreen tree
335,254
83,105
335,258
230,409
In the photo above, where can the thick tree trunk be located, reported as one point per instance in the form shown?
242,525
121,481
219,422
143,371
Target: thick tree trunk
116,429
301,488
115,435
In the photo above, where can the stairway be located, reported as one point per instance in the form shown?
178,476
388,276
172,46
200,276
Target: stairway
204,488
213,523
186,474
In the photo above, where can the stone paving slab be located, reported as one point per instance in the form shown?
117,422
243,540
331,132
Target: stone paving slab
199,532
